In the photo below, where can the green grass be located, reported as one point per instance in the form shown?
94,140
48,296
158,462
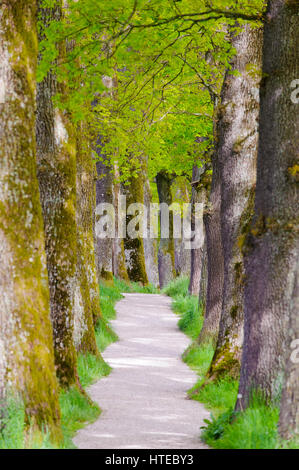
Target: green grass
12,425
132,287
199,359
254,428
91,369
178,287
76,411
219,396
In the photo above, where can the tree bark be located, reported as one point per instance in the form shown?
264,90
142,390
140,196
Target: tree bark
26,342
199,196
203,285
104,194
236,152
134,248
86,296
182,253
56,165
150,244
166,259
215,264
119,259
271,264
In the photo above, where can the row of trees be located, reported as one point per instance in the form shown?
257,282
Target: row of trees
179,101
49,283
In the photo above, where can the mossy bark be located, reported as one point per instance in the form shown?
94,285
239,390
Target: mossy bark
150,243
236,151
271,263
134,248
182,253
119,259
215,263
87,300
166,253
202,295
56,165
199,196
26,342
104,194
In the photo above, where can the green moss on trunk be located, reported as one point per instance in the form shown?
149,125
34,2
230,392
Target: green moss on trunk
27,359
134,248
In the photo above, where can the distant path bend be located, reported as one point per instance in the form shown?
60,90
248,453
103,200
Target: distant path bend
144,399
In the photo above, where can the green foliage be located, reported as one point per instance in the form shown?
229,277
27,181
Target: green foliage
145,79
216,427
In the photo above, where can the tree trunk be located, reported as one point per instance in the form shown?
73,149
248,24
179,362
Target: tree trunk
182,253
56,164
119,259
87,300
26,342
203,276
236,151
150,244
166,259
215,266
271,265
199,196
104,194
134,249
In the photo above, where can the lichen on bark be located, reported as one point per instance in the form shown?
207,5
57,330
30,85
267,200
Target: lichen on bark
134,248
271,262
236,151
56,166
27,366
87,300
166,252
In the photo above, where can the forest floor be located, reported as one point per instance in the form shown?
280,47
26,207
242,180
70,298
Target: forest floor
144,400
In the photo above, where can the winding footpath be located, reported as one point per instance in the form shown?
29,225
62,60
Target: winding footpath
143,400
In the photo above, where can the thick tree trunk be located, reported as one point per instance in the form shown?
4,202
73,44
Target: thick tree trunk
26,342
119,259
182,253
166,259
271,266
104,194
203,276
150,244
199,196
236,151
134,249
87,300
56,164
215,265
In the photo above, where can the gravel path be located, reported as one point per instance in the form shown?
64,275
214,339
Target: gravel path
144,399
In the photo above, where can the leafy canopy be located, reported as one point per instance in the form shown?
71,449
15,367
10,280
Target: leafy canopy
145,74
